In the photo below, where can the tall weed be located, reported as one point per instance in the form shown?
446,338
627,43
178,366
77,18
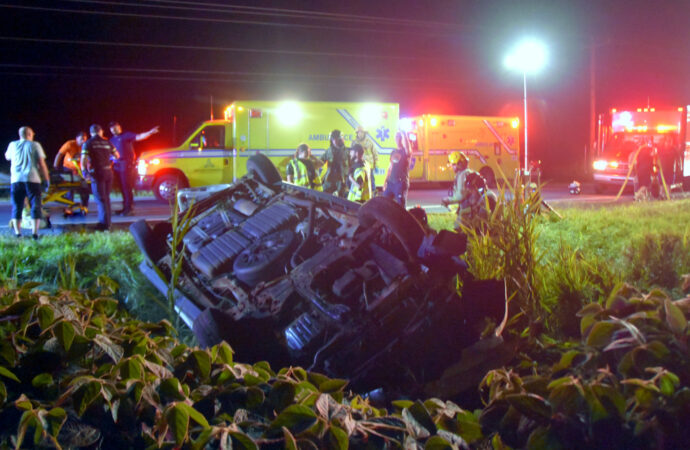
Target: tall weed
658,260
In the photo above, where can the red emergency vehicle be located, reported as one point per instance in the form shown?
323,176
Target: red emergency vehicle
622,132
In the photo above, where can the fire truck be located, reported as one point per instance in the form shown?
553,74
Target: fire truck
492,145
622,132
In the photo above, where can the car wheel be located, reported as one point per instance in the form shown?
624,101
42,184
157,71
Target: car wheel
261,261
264,169
165,187
151,242
489,176
394,217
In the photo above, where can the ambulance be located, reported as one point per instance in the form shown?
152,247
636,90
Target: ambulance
492,145
218,150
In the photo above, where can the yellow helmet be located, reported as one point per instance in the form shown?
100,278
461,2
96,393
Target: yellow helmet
457,157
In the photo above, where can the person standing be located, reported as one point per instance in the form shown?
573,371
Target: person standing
336,156
125,165
95,161
27,164
398,177
643,160
300,169
371,155
67,160
360,188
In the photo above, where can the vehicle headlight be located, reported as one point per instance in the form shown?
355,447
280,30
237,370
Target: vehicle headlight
599,164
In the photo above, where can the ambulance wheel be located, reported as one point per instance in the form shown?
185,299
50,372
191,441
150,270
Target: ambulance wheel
489,176
165,186
264,169
390,214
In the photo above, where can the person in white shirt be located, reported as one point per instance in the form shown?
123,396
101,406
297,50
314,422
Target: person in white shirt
28,163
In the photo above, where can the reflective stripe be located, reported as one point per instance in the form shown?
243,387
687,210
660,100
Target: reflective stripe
360,194
299,169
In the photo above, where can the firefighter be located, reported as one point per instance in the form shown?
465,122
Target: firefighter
643,160
360,188
398,175
371,155
468,190
301,169
336,156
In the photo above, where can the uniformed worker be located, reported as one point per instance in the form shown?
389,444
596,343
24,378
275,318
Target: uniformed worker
461,194
360,187
96,164
371,155
301,169
398,176
336,156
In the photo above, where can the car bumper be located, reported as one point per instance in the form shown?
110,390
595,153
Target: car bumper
608,178
144,183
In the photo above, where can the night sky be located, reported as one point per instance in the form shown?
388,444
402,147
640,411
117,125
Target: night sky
68,63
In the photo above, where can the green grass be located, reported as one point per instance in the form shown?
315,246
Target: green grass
76,260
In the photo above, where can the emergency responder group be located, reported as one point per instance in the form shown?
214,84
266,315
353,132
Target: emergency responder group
654,166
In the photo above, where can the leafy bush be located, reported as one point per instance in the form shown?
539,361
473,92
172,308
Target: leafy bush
626,384
658,260
75,371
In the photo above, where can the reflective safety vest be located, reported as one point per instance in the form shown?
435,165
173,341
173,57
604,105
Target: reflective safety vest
300,173
363,193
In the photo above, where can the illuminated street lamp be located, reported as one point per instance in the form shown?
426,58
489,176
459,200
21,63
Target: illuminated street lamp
527,57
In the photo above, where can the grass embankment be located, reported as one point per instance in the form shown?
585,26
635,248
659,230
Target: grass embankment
76,260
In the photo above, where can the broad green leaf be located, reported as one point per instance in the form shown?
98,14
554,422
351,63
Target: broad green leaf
589,309
296,418
56,418
178,350
46,315
674,318
402,404
86,395
65,333
7,374
3,393
23,403
316,378
177,418
469,428
42,380
290,442
337,438
241,441
202,362
172,388
265,367
601,333
610,398
224,353
668,382
281,395
566,360
18,308
421,415
195,415
111,349
334,385
255,397
533,406
131,368
658,349
437,443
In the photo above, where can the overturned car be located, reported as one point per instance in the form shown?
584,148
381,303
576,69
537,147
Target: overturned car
299,277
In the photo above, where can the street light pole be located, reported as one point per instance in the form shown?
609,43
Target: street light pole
524,82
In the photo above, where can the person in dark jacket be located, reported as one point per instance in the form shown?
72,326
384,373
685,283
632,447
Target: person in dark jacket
398,177
96,164
336,156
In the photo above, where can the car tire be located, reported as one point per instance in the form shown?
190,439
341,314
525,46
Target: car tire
394,217
165,186
489,176
264,169
206,328
261,261
150,242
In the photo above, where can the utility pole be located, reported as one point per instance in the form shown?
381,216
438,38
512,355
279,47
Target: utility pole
592,105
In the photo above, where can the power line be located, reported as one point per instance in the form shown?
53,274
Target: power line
223,73
207,48
202,19
282,12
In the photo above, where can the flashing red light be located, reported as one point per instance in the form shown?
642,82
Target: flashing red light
255,113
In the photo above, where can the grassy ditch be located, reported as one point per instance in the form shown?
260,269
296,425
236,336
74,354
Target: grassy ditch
76,261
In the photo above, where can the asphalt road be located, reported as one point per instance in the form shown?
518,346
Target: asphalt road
556,194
